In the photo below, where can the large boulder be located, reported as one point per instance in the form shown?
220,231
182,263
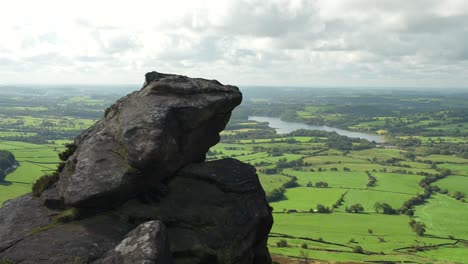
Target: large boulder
216,212
145,137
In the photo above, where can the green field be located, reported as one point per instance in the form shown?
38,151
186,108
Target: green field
334,179
446,158
271,182
328,236
303,199
458,169
398,183
444,216
341,228
35,160
454,183
368,198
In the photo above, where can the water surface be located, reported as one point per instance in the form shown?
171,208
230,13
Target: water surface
283,127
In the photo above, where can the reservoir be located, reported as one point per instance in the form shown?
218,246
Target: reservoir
283,127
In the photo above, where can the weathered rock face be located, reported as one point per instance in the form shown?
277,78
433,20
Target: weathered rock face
146,244
141,190
16,219
147,136
222,216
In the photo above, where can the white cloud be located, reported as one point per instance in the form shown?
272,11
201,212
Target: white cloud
270,42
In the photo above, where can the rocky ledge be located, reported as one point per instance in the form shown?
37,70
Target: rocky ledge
135,188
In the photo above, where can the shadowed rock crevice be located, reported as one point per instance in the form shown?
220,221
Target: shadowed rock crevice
142,189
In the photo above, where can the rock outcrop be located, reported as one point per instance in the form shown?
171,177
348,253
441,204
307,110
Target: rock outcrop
137,189
145,137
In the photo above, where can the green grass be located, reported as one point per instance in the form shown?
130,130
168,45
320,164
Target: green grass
236,131
13,190
25,108
275,140
333,255
305,114
4,134
334,179
416,165
227,151
453,254
334,152
444,158
363,167
62,123
399,183
442,139
35,160
367,198
341,227
369,126
379,153
320,160
444,216
271,182
458,169
305,198
454,183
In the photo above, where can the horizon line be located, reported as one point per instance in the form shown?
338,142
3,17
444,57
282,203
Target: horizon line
54,85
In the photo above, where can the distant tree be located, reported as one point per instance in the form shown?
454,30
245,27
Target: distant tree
282,243
384,208
358,249
371,180
323,209
355,208
418,227
458,195
321,185
411,156
276,195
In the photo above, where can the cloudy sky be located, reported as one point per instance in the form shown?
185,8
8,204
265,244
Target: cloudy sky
403,43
